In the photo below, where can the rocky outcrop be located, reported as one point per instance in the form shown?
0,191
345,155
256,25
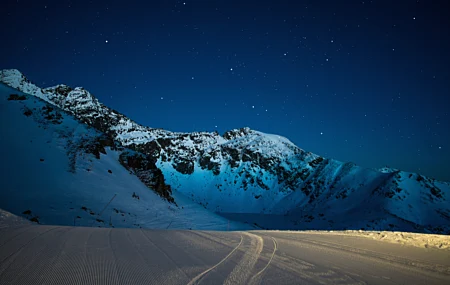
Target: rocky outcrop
15,97
147,172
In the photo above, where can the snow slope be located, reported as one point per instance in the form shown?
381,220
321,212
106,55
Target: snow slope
264,179
48,177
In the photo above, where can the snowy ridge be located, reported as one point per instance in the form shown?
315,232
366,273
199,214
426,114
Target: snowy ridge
55,172
80,103
16,79
264,177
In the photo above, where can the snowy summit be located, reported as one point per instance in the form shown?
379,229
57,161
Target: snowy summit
260,179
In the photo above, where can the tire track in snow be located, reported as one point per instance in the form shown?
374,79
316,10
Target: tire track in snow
243,269
256,279
309,272
196,279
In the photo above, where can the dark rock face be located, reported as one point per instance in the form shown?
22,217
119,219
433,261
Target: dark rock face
27,112
97,147
15,97
63,90
206,163
234,157
151,149
315,162
183,166
233,134
436,192
148,173
137,161
52,115
100,124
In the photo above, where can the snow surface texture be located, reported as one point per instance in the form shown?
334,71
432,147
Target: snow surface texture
441,242
264,179
404,238
48,177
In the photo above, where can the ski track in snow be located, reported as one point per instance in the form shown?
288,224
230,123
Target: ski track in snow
244,268
256,279
250,246
196,279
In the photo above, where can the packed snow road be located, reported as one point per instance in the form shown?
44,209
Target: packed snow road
76,255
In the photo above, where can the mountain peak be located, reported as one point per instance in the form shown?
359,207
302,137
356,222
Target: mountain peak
247,171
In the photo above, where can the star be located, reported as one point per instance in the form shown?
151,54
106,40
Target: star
106,41
321,133
192,77
231,69
162,98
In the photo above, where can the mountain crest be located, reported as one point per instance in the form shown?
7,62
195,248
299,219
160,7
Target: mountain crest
247,171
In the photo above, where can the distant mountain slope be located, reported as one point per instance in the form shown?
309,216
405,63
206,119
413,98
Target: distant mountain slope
266,177
56,170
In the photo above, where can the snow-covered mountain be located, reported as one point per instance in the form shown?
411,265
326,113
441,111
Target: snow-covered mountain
260,178
57,170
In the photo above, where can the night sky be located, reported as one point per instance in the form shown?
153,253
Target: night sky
360,81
